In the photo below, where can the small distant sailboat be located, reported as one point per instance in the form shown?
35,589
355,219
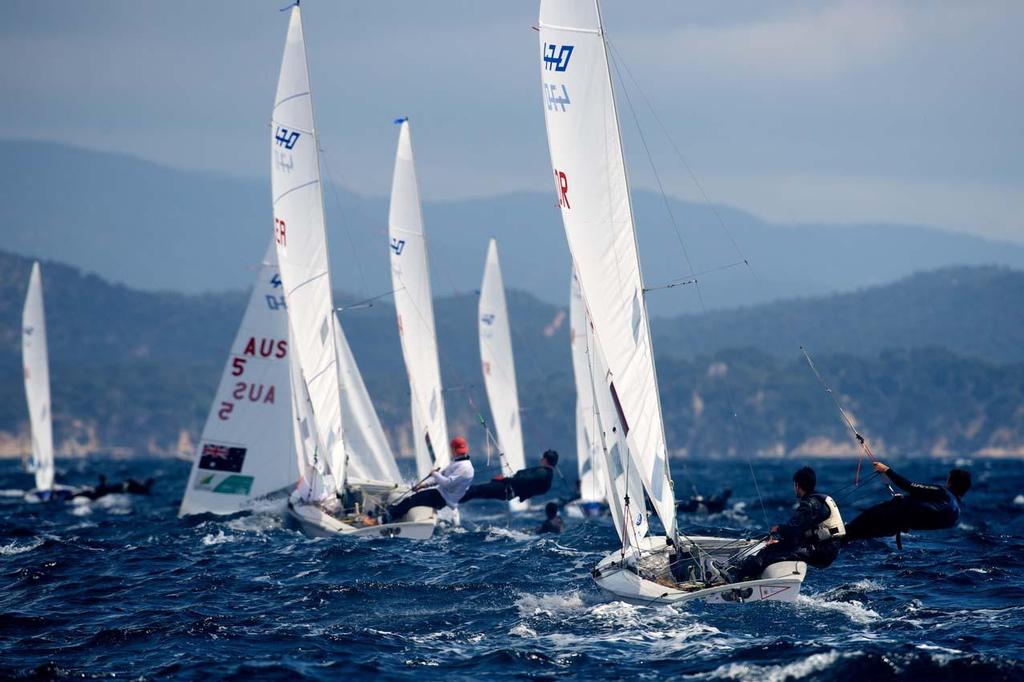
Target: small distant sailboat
247,450
589,458
414,307
593,194
335,490
499,369
36,367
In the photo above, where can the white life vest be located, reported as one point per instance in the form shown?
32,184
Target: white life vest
833,527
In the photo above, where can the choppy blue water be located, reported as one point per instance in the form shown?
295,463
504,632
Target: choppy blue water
122,586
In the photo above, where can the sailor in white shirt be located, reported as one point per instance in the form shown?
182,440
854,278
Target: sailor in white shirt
444,487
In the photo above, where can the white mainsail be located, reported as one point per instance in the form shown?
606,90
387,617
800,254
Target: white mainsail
591,185
301,240
415,309
37,380
247,449
589,456
369,455
499,368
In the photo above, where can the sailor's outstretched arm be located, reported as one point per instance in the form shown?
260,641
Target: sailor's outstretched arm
921,491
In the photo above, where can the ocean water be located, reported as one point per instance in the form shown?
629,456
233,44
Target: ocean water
122,587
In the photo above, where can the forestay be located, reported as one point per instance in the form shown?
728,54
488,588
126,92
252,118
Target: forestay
369,455
301,241
247,448
589,456
498,366
415,309
37,380
591,186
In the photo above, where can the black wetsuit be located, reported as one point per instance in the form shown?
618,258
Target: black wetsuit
552,525
525,484
798,541
924,507
697,503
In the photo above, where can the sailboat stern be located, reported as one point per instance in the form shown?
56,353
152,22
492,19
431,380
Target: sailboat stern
642,576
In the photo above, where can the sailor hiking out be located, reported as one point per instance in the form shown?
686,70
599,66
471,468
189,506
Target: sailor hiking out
811,535
443,487
526,483
924,507
553,523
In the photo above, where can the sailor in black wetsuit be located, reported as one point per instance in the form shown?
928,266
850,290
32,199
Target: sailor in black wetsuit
698,504
526,483
811,535
553,523
924,507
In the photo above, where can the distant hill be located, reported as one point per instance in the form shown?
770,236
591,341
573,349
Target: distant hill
155,228
137,369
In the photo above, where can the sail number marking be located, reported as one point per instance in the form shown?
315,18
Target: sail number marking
273,349
556,57
287,138
562,186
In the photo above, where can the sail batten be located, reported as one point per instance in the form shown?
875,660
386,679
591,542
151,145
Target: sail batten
414,308
592,189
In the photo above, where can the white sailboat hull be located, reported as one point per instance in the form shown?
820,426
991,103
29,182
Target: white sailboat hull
779,582
317,523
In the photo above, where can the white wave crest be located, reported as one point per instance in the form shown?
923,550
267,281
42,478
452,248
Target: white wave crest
854,610
15,547
497,532
219,539
814,663
549,604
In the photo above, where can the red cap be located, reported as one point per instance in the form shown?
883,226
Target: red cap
459,446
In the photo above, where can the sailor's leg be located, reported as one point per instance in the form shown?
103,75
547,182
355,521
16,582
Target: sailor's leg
880,521
430,497
752,566
492,490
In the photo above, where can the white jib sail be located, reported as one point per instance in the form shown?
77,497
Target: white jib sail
301,240
369,455
591,185
620,475
37,380
589,458
415,309
247,449
499,369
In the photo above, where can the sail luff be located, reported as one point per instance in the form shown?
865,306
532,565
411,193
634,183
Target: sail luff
414,307
301,239
593,194
36,365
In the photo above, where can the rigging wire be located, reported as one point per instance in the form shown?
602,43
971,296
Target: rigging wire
344,220
865,448
689,264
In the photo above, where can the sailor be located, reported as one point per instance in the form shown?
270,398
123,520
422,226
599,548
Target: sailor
553,523
442,487
698,504
924,507
526,483
811,535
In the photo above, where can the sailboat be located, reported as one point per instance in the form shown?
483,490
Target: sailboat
339,486
589,457
247,448
37,392
593,195
499,369
414,308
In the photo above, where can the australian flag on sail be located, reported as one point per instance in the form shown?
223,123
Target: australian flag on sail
216,457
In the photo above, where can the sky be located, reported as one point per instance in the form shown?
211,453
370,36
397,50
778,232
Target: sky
836,112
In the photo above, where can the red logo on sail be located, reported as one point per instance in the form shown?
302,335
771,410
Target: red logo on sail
562,184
